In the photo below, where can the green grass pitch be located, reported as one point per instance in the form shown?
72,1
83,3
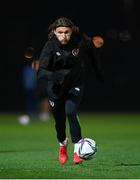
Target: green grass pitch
31,151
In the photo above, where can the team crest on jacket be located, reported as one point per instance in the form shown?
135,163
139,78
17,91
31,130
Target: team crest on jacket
75,52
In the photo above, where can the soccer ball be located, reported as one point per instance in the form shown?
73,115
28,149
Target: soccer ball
87,148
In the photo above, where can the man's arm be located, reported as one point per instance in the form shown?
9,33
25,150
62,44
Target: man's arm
44,62
95,47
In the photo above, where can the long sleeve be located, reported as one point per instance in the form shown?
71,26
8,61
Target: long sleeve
44,62
44,75
95,57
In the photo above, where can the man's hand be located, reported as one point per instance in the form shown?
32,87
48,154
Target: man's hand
98,41
35,64
58,78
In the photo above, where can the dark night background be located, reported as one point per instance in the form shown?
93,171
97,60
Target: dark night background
117,21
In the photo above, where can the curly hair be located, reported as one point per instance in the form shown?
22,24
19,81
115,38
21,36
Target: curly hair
61,22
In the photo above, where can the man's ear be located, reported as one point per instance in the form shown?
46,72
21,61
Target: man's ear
54,31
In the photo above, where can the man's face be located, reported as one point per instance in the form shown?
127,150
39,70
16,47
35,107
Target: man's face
63,34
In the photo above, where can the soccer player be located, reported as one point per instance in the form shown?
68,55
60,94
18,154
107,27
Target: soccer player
61,76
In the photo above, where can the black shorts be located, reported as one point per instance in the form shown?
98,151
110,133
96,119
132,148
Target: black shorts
74,94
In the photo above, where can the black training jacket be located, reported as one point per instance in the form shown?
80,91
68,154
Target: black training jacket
64,65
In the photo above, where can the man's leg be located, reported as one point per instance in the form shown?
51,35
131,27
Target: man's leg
58,112
71,106
75,129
